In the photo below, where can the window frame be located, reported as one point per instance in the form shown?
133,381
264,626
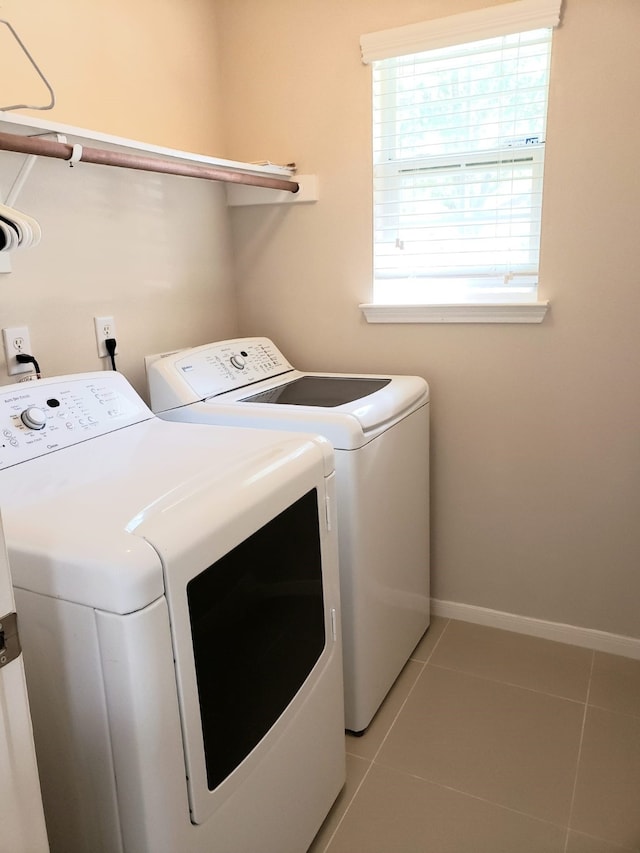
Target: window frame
504,19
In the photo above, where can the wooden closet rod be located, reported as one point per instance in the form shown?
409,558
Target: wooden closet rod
64,151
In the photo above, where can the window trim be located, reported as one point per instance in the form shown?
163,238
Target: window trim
511,312
504,19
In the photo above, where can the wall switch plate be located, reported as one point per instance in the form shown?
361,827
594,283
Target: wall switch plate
16,339
105,328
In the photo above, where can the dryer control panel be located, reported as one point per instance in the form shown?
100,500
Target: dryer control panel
216,368
42,416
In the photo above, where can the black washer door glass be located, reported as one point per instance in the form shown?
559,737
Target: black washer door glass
257,623
324,391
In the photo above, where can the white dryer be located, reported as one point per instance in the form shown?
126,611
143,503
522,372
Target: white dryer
379,428
177,595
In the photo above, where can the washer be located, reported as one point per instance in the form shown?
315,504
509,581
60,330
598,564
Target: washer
177,595
379,428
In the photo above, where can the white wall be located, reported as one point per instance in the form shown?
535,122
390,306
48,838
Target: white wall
536,457
153,251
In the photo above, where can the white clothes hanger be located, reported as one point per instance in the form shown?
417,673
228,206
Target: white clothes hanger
40,74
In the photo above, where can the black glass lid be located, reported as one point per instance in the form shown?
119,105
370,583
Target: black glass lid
323,391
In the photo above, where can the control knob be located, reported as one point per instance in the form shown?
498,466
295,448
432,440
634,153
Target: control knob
237,361
33,418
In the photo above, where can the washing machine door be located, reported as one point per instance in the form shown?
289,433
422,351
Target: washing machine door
22,827
252,613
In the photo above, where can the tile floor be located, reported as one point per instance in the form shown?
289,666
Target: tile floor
495,742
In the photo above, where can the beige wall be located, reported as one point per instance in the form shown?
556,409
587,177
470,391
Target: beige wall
535,453
536,460
145,70
151,250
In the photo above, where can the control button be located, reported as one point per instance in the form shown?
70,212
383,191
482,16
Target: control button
237,361
33,418
7,433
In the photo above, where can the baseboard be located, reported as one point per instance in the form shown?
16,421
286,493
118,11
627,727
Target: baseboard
601,641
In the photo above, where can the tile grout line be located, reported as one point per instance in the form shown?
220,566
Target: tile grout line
477,797
609,710
494,680
413,687
391,725
575,780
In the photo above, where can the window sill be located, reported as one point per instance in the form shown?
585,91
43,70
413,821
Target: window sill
526,312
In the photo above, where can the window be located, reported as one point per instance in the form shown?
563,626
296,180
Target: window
458,149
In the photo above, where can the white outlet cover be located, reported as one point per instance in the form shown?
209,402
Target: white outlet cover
9,336
101,324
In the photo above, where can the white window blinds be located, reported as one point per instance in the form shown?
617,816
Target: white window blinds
458,146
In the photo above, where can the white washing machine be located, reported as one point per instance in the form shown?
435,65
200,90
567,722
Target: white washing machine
379,428
177,595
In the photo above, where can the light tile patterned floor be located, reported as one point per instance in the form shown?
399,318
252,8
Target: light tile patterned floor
495,742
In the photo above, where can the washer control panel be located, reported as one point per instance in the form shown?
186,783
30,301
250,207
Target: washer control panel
217,368
42,416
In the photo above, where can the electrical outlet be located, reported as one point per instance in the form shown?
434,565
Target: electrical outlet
105,328
16,339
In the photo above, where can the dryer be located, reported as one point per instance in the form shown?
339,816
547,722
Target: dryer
379,428
178,607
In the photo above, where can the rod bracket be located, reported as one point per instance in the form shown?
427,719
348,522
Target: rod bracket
76,155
